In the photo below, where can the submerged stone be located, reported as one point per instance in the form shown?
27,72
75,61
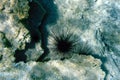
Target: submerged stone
95,22
13,34
75,68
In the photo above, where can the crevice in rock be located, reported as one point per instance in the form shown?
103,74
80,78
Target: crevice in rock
100,37
6,42
108,48
50,17
1,56
36,24
103,67
19,56
103,59
115,63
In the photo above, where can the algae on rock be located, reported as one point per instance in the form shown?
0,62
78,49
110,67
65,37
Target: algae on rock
11,12
13,34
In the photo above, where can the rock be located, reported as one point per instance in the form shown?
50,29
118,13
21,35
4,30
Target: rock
96,22
10,25
84,68
13,34
92,26
17,9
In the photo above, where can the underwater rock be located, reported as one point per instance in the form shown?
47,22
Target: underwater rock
11,14
96,22
76,68
13,34
95,38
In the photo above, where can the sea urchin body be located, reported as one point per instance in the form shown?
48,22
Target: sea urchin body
62,41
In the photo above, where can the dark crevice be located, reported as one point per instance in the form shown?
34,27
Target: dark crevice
36,23
6,42
100,37
1,56
103,67
34,33
50,17
19,56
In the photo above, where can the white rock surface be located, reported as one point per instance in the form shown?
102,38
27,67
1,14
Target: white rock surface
85,68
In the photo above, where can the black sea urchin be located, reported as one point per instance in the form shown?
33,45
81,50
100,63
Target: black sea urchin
63,41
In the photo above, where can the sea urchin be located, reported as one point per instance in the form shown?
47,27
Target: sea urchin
63,41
